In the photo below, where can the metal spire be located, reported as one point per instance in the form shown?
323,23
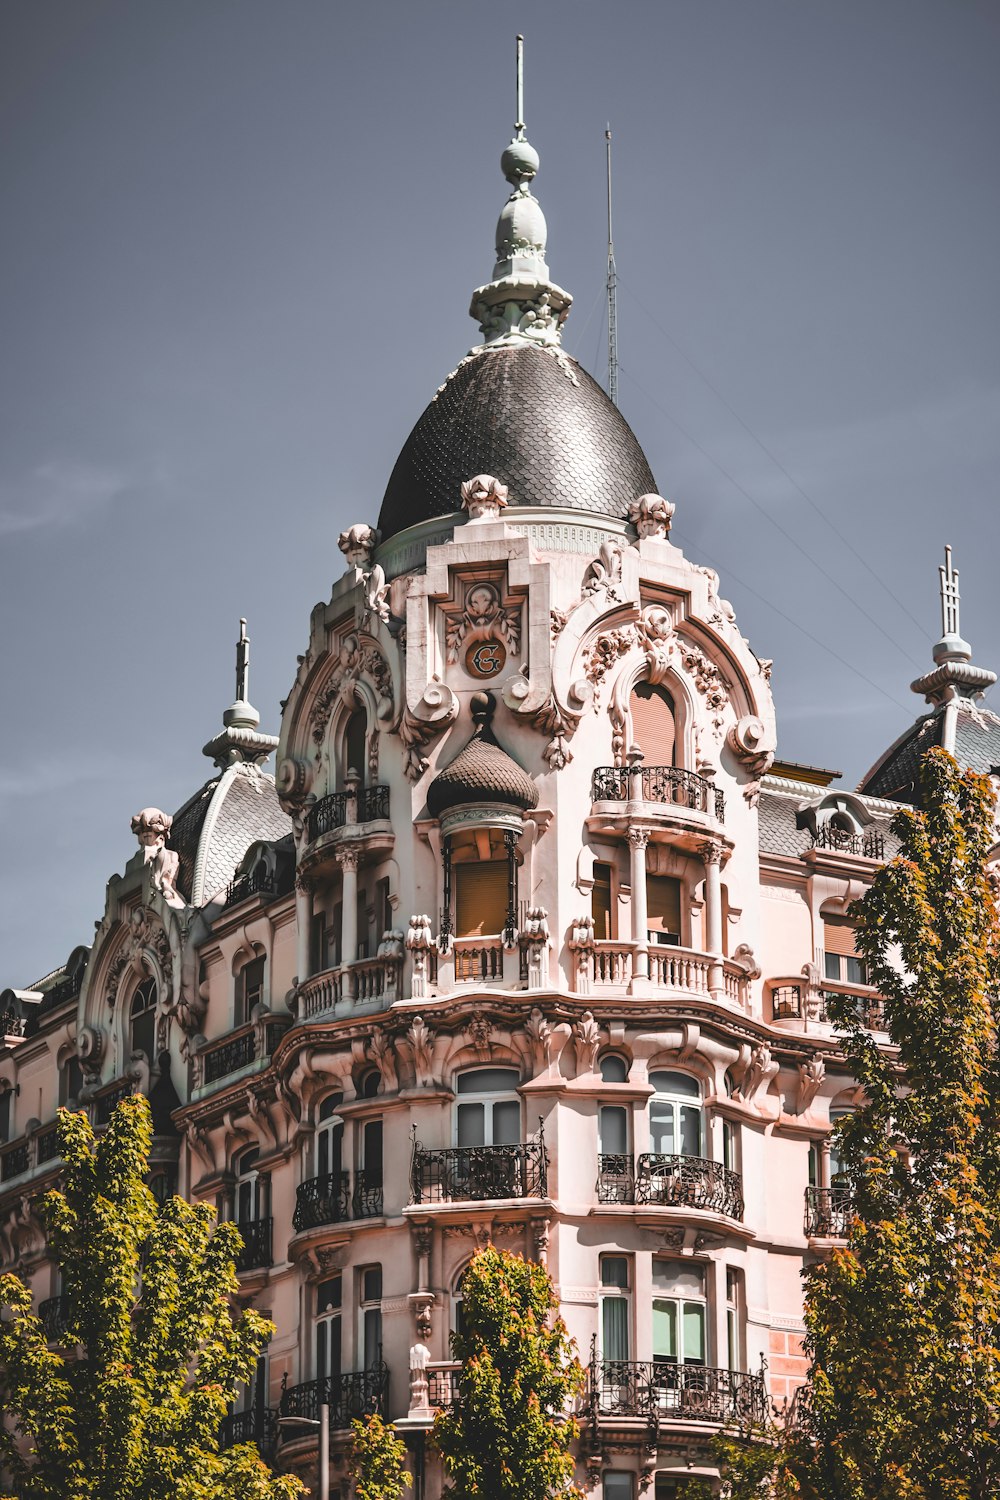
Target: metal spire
242,663
949,596
612,293
519,122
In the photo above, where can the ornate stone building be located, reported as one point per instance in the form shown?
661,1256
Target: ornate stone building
529,940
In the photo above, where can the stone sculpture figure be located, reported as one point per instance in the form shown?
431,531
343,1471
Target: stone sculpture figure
151,827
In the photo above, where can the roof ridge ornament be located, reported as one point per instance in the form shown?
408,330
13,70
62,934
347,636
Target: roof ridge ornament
241,739
521,305
954,676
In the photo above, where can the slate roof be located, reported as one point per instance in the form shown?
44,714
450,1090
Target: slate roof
482,772
533,419
244,808
896,776
778,833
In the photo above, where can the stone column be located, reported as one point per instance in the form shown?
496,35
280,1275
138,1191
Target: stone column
348,862
711,854
638,838
303,927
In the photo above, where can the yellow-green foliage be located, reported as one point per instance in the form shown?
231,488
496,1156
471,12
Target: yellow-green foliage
128,1407
377,1459
508,1437
903,1324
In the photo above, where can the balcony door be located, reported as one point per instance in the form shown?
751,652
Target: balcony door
488,1109
329,1143
676,1118
248,1192
680,1315
327,1330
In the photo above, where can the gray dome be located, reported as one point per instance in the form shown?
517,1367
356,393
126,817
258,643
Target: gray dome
532,418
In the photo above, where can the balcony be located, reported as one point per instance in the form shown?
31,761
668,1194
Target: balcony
367,981
478,959
670,1182
333,812
254,883
252,1043
665,1392
865,845
54,1316
610,966
11,1024
479,1174
359,1394
258,1426
828,1213
664,786
256,1252
322,1200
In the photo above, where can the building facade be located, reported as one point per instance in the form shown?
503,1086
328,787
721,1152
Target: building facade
528,940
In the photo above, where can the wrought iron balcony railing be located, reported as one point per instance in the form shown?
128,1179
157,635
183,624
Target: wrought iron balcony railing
14,1160
54,1315
256,1251
688,1182
615,1178
258,1426
327,814
373,803
334,811
366,1200
828,1213
868,845
662,1391
253,883
668,785
229,1056
322,1200
361,1393
479,1173
46,1145
442,1383
11,1024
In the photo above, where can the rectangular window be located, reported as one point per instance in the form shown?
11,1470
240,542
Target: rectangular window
480,899
319,941
383,910
840,956
600,903
329,1300
679,1313
617,1485
613,1128
370,1285
615,1307
371,1153
734,1320
250,987
663,909
364,934
731,1145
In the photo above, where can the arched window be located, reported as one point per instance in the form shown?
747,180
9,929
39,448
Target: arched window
676,1120
329,1142
142,1019
247,1195
488,1111
355,746
653,725
614,1069
368,1086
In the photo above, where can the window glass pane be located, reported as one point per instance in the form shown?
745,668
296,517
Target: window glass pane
663,907
330,1105
614,1129
373,1152
614,1328
661,1128
677,1277
329,1293
614,1270
329,1149
372,1336
614,1069
730,1146
371,1289
857,971
690,1130
664,1329
489,1081
831,966
507,1123
355,758
472,1125
600,902
617,1485
681,1084
694,1333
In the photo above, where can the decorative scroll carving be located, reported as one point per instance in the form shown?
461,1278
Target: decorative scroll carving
353,662
151,827
758,1073
651,515
581,942
436,711
539,1034
744,956
748,740
709,682
483,618
484,497
560,726
811,1078
607,649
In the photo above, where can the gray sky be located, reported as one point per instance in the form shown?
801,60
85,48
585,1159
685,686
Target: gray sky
239,238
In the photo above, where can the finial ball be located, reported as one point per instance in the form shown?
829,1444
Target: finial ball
519,162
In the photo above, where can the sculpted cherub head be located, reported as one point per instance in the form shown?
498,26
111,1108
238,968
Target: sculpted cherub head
651,515
151,827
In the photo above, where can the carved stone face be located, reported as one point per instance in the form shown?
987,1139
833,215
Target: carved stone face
151,827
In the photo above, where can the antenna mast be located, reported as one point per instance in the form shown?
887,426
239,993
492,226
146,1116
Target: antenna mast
612,294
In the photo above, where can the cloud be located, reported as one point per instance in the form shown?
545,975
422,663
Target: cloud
58,494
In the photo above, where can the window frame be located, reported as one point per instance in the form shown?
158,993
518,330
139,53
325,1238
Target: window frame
487,1099
678,1102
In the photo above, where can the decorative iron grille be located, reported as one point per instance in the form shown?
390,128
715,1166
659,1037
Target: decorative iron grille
46,1145
664,1391
327,814
868,845
11,1024
688,1182
669,785
260,1427
615,1178
373,803
256,1250
322,1200
54,1316
442,1385
358,1394
479,1173
786,1002
828,1213
367,1199
218,1062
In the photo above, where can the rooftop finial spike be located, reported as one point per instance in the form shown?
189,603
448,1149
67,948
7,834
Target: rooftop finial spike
242,663
949,596
612,294
954,678
519,122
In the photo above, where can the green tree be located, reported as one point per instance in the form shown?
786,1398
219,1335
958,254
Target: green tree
377,1459
903,1323
508,1435
128,1406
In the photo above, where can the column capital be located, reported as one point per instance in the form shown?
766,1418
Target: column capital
711,852
638,837
348,859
